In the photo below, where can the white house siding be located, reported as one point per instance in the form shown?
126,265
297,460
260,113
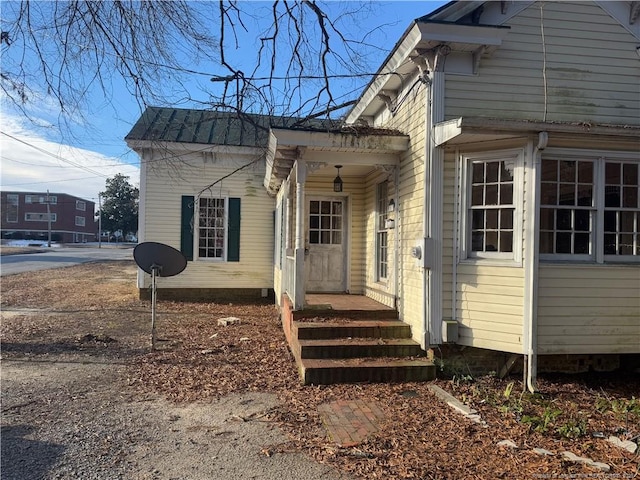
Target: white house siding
448,229
410,120
490,306
165,186
591,70
354,191
382,291
588,309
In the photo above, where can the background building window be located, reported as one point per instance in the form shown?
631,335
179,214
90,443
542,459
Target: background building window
382,246
39,217
12,207
492,208
80,205
80,221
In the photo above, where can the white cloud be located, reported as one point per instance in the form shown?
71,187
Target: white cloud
31,163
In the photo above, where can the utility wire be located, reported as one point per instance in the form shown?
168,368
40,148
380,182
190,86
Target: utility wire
46,152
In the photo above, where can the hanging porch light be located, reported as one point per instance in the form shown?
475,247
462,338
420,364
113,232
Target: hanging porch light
337,182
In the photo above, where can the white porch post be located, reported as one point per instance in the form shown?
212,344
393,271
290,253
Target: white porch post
299,287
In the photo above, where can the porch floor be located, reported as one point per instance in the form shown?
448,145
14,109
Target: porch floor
342,301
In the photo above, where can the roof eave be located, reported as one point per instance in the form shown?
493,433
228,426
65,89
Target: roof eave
463,129
426,35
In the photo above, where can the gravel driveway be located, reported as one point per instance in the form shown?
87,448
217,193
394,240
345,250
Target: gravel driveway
73,417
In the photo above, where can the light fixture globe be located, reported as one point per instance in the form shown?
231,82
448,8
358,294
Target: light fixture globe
337,182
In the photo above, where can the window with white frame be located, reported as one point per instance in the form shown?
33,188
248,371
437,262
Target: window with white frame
325,222
12,207
81,205
382,247
567,207
212,227
621,208
80,221
590,208
491,216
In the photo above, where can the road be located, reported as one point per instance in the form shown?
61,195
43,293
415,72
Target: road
61,257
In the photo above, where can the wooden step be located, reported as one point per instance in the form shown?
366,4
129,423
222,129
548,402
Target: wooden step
330,371
354,329
359,347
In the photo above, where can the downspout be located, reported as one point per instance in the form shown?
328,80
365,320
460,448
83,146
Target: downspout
426,341
432,197
533,261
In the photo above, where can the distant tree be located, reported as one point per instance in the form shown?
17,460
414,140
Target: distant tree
119,205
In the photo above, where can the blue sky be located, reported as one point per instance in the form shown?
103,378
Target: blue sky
39,157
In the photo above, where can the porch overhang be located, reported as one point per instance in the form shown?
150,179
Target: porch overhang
462,130
363,146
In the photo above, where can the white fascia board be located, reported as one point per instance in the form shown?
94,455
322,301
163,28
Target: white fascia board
449,130
269,161
341,141
185,148
400,55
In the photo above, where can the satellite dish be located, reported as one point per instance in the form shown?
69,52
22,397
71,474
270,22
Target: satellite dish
166,259
159,260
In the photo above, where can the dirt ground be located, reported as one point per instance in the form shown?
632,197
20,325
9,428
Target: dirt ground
83,396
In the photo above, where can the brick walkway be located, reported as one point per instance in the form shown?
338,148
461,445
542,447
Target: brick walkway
349,422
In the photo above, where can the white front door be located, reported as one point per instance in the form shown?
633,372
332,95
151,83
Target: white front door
325,264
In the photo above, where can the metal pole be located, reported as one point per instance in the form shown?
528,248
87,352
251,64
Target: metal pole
154,272
99,222
49,220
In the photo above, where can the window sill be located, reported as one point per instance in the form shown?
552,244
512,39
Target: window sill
496,262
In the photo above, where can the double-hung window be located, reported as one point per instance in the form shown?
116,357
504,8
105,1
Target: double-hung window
567,207
492,205
210,228
382,239
590,208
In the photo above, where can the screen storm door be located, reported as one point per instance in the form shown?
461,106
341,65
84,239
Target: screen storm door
325,265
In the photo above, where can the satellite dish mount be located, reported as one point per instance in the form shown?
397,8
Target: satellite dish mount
159,260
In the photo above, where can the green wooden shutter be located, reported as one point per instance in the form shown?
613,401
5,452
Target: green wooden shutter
233,242
186,226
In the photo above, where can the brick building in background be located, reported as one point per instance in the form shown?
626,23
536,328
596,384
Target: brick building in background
24,217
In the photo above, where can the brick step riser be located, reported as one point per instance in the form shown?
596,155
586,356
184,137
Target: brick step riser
358,351
333,332
368,374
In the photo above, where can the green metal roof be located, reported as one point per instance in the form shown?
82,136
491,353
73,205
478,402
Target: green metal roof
211,127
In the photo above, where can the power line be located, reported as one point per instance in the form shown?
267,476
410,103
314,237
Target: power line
57,157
